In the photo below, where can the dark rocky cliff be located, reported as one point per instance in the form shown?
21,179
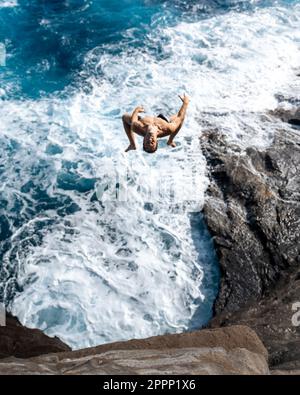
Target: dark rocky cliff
21,342
253,212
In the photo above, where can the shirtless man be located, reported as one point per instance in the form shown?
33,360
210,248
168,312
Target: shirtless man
153,128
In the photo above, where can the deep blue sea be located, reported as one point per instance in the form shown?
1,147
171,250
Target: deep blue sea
97,245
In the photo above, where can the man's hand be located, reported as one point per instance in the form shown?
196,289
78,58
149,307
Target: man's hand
171,144
131,148
184,98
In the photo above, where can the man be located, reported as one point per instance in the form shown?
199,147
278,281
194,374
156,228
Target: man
153,128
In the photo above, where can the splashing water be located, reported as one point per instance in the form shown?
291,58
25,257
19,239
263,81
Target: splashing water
98,245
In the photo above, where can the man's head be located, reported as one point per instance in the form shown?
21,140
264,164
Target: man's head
150,143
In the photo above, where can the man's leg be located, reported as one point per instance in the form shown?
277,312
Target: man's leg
126,118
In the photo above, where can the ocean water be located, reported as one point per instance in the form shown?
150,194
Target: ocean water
97,245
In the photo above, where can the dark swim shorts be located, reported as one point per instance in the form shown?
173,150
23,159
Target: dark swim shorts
163,117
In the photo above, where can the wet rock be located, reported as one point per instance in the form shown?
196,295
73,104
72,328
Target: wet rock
21,342
291,116
252,211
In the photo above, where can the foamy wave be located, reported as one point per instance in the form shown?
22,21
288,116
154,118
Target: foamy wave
8,3
112,272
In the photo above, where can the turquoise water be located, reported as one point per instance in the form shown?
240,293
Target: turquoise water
74,261
47,40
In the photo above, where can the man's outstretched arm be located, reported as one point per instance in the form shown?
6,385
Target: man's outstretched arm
179,120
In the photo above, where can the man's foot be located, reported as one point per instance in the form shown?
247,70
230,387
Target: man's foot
140,109
131,148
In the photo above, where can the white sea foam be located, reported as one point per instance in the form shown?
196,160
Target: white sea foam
117,271
125,271
8,3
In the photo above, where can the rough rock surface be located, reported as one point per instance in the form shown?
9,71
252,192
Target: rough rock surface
271,318
231,350
253,212
290,116
21,342
228,338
